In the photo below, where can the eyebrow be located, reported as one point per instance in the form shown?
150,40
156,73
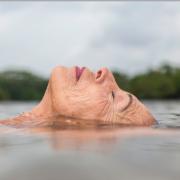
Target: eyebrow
129,103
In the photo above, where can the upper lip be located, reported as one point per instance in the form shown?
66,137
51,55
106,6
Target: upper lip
79,71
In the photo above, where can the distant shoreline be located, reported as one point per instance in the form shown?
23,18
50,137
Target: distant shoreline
162,83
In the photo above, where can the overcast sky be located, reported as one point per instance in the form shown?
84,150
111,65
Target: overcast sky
127,36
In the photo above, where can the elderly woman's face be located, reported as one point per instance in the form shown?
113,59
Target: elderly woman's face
80,93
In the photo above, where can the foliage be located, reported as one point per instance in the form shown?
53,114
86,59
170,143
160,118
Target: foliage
159,83
153,85
122,80
21,85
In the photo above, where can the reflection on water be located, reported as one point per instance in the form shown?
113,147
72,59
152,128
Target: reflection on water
96,151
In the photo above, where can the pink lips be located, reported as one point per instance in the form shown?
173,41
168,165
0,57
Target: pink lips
79,71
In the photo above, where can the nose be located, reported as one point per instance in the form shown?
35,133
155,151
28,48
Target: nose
101,75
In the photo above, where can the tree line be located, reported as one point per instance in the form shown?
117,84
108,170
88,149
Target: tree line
160,83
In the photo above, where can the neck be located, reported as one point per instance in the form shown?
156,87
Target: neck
44,108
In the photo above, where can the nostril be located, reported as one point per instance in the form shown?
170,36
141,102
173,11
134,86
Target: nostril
101,75
98,75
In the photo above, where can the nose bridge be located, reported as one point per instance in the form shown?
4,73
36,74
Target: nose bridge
111,79
108,74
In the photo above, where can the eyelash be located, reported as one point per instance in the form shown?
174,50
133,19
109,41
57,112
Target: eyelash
113,94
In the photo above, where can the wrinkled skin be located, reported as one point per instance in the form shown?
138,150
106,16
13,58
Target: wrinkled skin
91,97
94,96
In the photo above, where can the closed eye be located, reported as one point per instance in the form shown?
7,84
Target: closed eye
129,103
113,94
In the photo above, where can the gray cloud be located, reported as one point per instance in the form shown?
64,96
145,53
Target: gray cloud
144,34
129,36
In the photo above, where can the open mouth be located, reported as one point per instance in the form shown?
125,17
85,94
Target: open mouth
79,72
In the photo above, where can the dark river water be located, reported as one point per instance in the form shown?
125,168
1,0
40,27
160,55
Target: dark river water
92,154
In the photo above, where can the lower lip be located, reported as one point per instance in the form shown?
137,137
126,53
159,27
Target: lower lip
79,72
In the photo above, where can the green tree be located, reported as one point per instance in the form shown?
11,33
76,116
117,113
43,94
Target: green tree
22,85
122,80
153,85
3,95
162,82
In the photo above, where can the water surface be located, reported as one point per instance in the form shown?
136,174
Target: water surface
92,154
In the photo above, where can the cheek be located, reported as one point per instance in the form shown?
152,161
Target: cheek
90,103
101,104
